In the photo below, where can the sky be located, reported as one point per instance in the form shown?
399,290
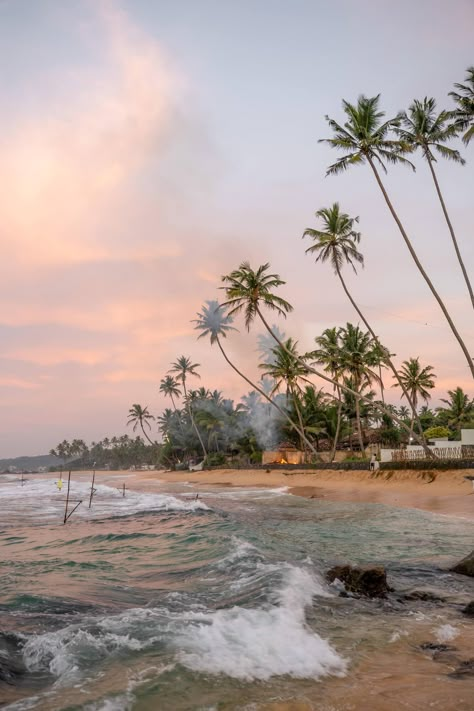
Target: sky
149,147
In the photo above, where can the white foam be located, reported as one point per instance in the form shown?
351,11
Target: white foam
41,498
446,633
259,643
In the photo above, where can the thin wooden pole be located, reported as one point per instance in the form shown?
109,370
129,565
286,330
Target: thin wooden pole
92,488
123,491
67,496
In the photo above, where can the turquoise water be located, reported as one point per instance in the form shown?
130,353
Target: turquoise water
157,600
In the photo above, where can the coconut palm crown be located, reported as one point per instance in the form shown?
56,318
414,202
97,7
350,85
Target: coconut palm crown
464,113
422,127
337,241
213,321
365,137
246,288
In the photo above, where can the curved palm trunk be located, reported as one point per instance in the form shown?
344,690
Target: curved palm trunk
263,394
192,419
450,227
346,389
143,430
338,425
421,440
421,269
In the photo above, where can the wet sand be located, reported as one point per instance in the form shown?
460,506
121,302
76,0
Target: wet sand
445,492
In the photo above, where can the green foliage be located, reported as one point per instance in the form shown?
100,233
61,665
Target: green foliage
437,432
215,459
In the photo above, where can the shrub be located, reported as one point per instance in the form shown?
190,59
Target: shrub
437,432
256,457
215,459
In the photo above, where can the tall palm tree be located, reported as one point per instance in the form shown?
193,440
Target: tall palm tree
139,416
338,243
423,128
169,387
183,367
329,356
286,366
214,322
356,351
464,113
248,288
418,382
365,139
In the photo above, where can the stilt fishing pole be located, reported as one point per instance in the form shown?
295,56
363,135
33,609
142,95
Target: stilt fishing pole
92,486
66,515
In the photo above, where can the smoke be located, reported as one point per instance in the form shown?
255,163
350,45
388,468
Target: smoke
264,419
266,344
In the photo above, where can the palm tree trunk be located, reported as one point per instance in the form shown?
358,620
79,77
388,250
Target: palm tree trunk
421,440
343,387
450,227
421,269
263,394
192,419
382,388
338,426
300,419
143,430
359,427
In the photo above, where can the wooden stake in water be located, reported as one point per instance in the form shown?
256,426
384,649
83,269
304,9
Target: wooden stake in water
66,515
92,488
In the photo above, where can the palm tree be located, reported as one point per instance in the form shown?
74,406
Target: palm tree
213,321
365,139
139,416
183,368
418,382
286,366
424,129
464,98
337,243
459,410
169,387
329,356
356,352
248,288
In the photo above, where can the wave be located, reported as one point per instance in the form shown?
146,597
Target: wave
244,643
41,498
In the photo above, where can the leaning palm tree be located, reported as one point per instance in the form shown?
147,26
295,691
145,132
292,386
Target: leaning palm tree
139,416
169,387
464,113
364,138
418,382
247,289
337,243
213,321
183,368
423,128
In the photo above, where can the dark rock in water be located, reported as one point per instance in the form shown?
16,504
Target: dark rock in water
11,664
368,581
465,566
424,596
433,647
469,609
466,668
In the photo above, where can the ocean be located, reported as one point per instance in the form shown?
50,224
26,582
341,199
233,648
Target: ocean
161,600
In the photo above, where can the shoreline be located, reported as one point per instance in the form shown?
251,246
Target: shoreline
449,493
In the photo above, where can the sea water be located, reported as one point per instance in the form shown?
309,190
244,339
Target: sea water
161,600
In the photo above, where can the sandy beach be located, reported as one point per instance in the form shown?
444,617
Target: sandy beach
447,493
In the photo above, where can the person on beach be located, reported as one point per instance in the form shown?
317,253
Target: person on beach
59,484
373,459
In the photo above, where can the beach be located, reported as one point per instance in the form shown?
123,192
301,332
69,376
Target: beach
449,493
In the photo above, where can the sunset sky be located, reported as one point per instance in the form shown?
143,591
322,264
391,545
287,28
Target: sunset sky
148,147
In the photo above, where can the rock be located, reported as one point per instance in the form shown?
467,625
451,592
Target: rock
434,647
424,596
11,664
469,609
465,669
370,581
465,566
